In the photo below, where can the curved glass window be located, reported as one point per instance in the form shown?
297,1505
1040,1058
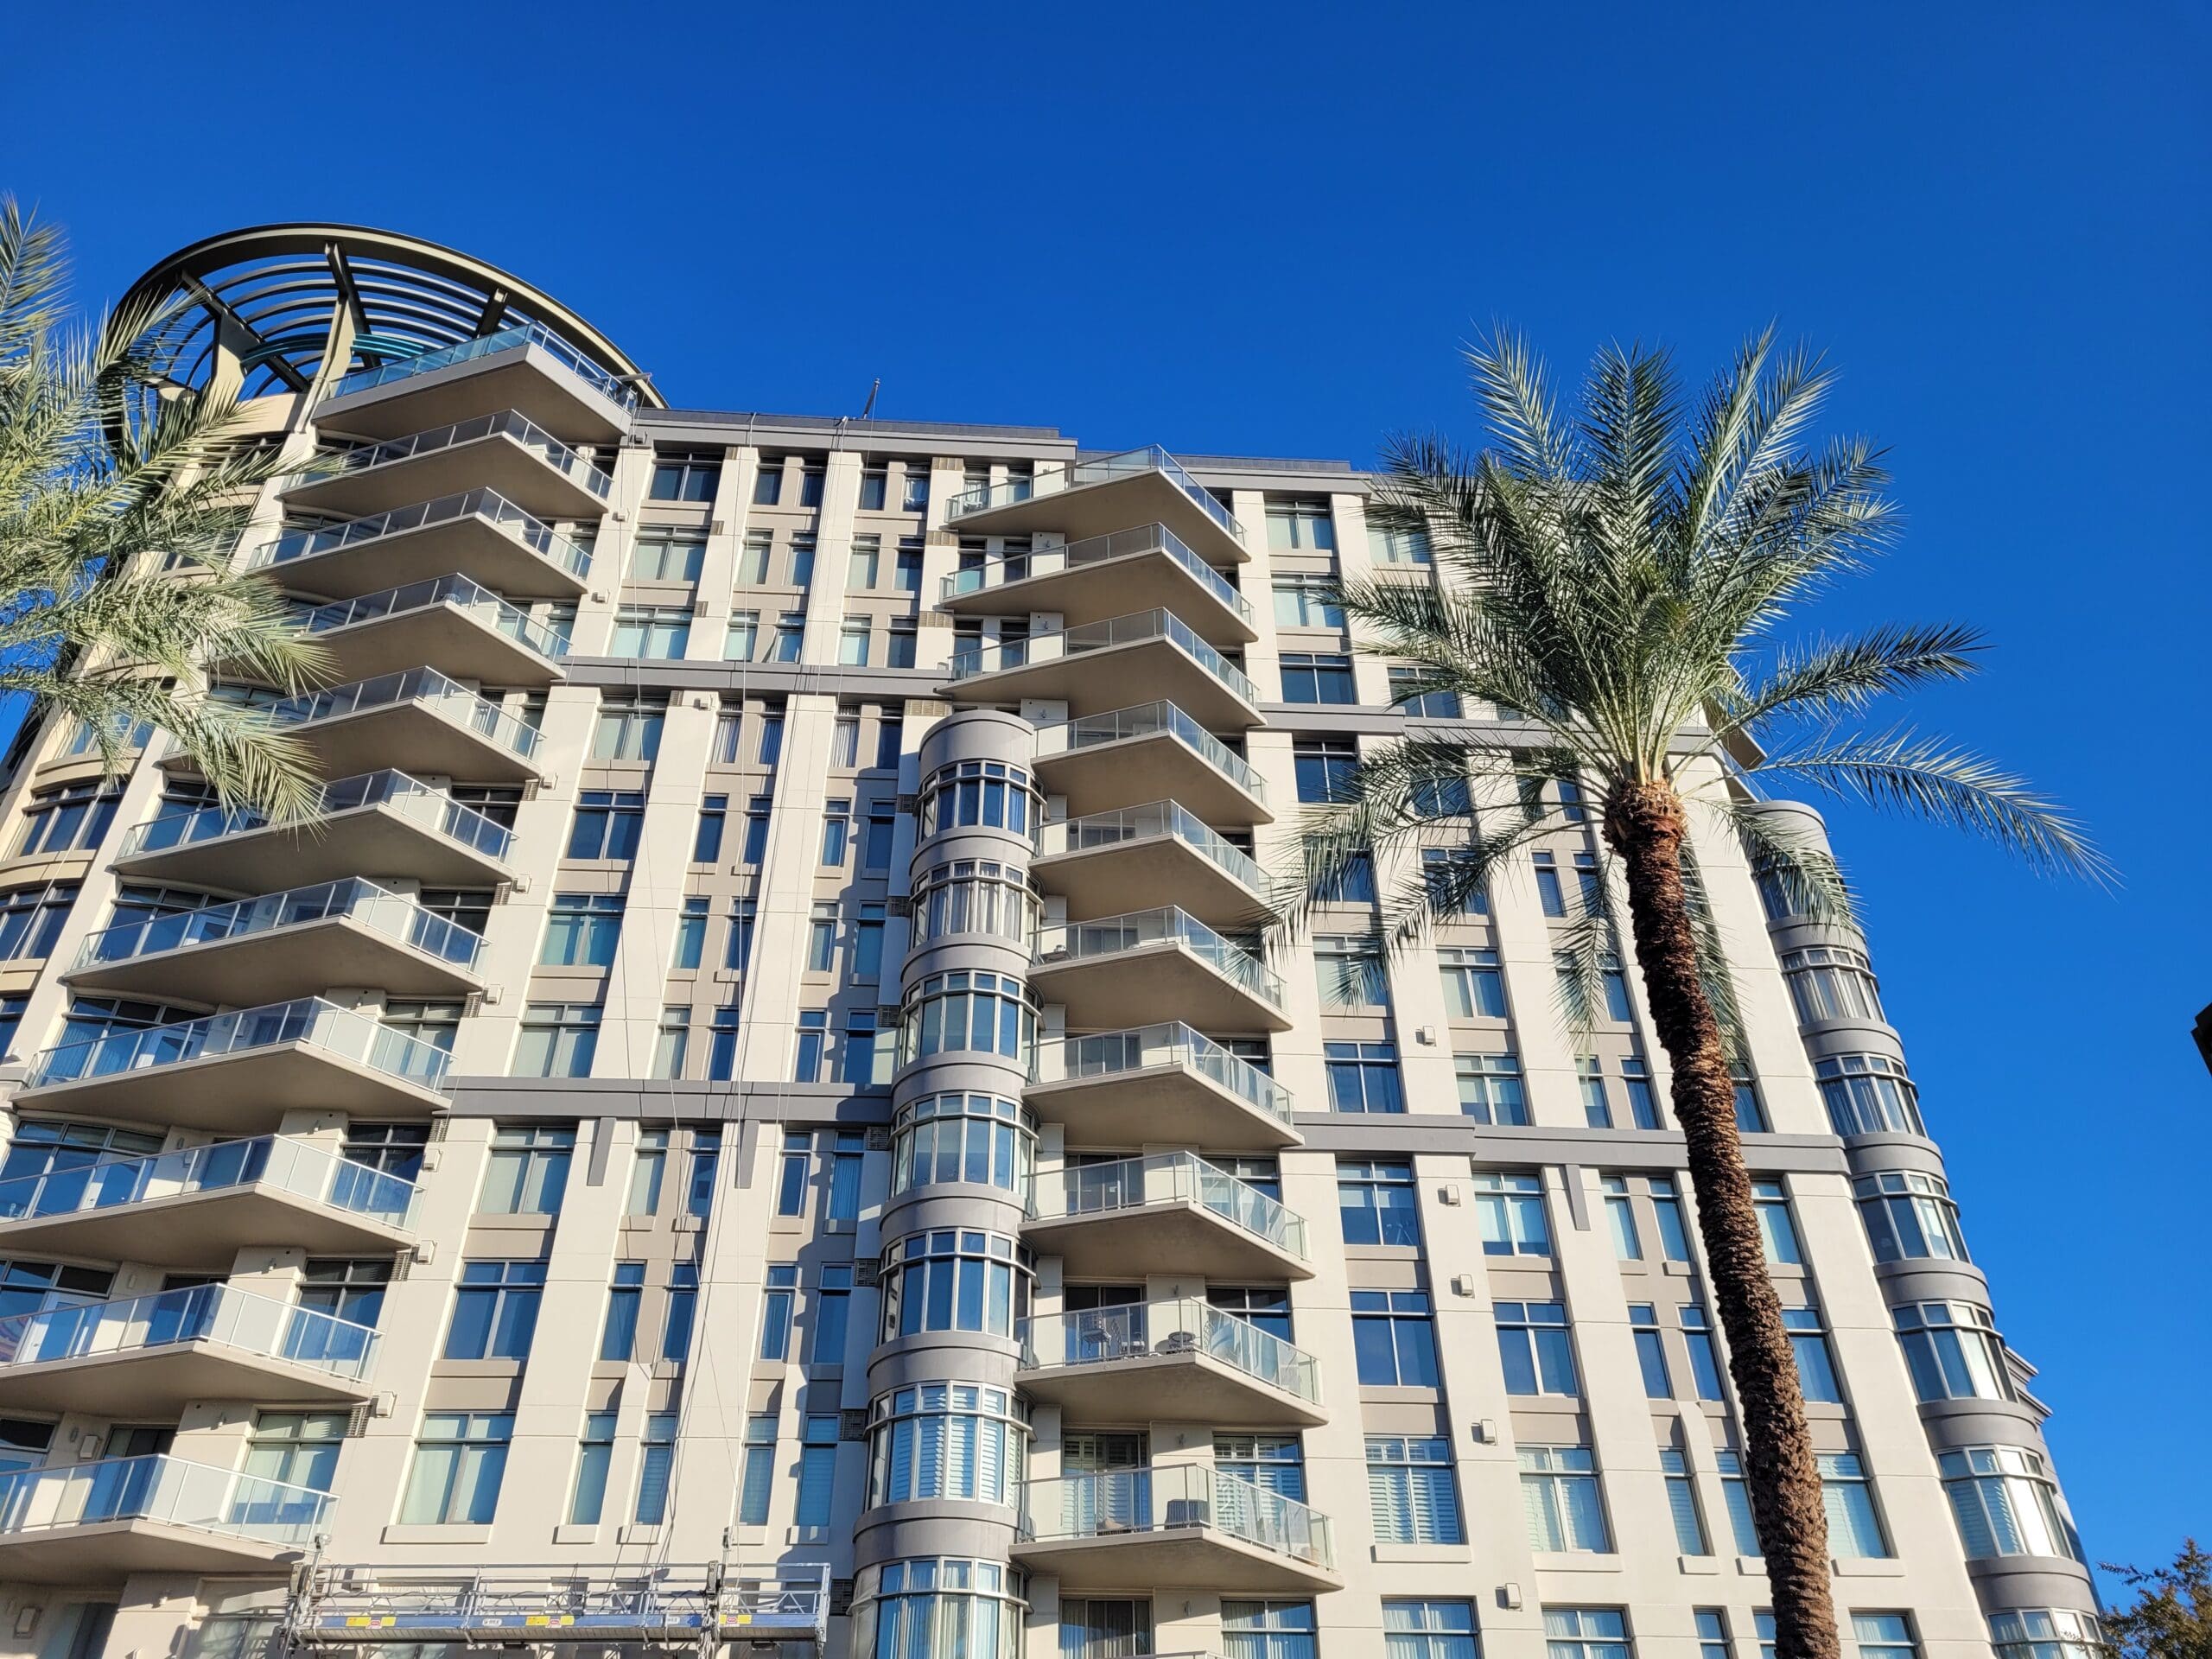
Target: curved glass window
982,1139
2006,1504
1952,1351
1868,1094
1830,982
947,1439
976,895
968,1011
1910,1216
989,793
937,1608
2046,1633
955,1279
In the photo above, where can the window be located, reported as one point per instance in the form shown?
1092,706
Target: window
685,476
1882,1636
867,942
1751,1111
660,632
665,555
1406,694
955,1280
628,729
594,1456
460,1459
2006,1503
1301,526
1910,1216
394,1149
1953,1351
68,817
1808,1342
1510,1208
822,936
1428,1630
1490,1088
874,488
980,1139
294,1448
1651,1351
1705,1358
813,1043
1778,1233
1410,1490
1643,1105
947,1440
31,918
1378,1202
618,1337
1534,1346
1550,895
899,641
1682,1503
699,1180
1274,1462
877,834
581,930
833,1302
791,1178
1474,985
1561,1501
1267,1629
852,643
1324,768
914,497
1396,544
607,823
817,1469
1364,1077
968,1010
1348,969
648,1164
789,636
1737,1496
690,934
1318,678
862,1058
776,1305
890,738
757,1479
756,829
1620,1217
2057,1633
1306,602
836,830
682,1308
768,482
529,1170
810,484
1394,1338
1711,1633
1831,983
740,644
722,1044
1454,889
557,1040
1868,1094
495,1311
654,1466
1854,1528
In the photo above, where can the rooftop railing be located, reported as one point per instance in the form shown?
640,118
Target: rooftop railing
1170,1497
1098,470
168,1491
578,469
309,1021
1098,830
1137,628
410,797
298,1167
1096,549
1111,936
508,340
1142,1331
489,505
222,1316
353,899
448,698
1170,1177
1149,1048
1148,720
456,590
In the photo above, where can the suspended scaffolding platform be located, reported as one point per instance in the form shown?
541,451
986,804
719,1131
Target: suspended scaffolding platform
336,1606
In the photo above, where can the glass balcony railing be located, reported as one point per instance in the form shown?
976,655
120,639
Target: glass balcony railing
489,505
1098,470
378,909
1148,720
1149,1048
1099,830
448,698
577,469
168,1491
481,602
1170,1177
1096,549
1135,629
340,1032
1132,1502
1144,1331
296,1167
1111,936
222,1316
410,797
508,340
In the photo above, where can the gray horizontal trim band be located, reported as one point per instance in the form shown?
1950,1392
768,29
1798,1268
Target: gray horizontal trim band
772,679
1398,1135
693,1101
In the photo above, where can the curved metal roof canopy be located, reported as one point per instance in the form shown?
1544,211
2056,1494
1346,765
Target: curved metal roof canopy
267,301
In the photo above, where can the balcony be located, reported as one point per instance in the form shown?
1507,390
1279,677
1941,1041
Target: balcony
1164,1083
479,533
1107,662
1176,1362
194,1209
1150,966
1148,567
149,1357
1178,1527
527,368
384,822
448,623
1088,499
88,1522
1157,853
419,720
238,1073
1151,752
252,950
503,452
1171,1213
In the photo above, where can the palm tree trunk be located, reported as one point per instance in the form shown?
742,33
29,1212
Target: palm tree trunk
1645,827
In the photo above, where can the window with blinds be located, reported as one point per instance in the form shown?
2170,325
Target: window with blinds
1409,1487
948,1440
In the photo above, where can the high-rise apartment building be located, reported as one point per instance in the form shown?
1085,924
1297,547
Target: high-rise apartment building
757,1114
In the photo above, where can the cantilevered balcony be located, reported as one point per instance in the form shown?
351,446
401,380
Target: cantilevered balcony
253,951
1106,664
504,452
194,1209
1183,1362
1176,1527
528,368
479,533
1146,568
238,1073
1170,1212
1101,495
1151,752
1150,966
420,720
1159,853
385,822
152,1355
448,623
1165,1083
100,1521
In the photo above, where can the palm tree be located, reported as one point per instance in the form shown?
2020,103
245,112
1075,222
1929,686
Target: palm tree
102,459
1612,582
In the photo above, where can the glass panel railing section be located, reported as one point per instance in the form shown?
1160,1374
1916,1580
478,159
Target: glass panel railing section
1137,628
222,1316
1150,1047
1099,830
1116,1502
1150,720
1142,1331
490,506
1111,935
166,1489
448,698
1099,469
578,469
309,1021
298,1167
411,797
508,340
1171,1178
456,590
353,899
1094,549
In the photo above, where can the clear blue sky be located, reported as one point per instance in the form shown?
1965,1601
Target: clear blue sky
1264,230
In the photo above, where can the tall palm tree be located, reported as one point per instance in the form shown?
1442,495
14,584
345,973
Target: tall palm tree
1613,579
101,460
